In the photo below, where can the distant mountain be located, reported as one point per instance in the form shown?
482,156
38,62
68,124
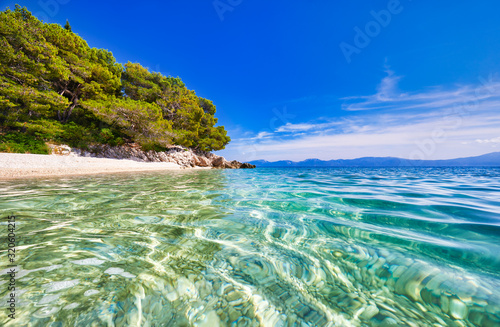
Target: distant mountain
486,160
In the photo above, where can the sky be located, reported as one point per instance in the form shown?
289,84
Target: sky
324,79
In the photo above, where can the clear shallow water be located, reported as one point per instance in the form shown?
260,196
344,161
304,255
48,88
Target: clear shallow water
270,247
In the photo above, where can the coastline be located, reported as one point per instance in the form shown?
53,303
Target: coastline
104,159
19,165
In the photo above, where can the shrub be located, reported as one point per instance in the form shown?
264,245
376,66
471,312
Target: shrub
18,142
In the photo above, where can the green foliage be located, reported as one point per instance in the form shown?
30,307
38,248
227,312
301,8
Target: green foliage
139,120
81,137
53,86
22,143
43,128
192,117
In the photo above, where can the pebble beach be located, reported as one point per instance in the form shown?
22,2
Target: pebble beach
16,165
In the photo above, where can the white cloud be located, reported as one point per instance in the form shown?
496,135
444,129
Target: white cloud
263,135
438,123
388,96
381,139
303,127
288,127
435,137
494,140
387,87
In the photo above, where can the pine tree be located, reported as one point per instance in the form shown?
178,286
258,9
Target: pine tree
53,86
67,26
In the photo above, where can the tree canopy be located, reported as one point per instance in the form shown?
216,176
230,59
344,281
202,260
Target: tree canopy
54,87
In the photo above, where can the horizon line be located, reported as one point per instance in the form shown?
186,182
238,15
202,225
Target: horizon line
378,158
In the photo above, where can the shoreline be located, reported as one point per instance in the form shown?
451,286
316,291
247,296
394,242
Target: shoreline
20,165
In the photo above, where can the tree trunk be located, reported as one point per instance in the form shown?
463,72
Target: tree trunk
74,102
69,110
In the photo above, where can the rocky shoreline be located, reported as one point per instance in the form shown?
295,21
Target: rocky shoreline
182,156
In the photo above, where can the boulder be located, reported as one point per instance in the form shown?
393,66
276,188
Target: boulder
176,154
246,165
218,162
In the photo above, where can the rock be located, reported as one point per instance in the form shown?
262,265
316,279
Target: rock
211,320
389,322
132,151
61,150
370,312
233,315
235,164
458,309
247,165
202,161
218,162
186,288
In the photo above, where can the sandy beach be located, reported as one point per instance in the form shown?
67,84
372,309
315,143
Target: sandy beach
15,165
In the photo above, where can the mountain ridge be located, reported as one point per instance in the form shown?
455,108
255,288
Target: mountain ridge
485,160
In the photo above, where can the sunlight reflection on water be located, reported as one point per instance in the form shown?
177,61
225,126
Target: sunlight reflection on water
271,247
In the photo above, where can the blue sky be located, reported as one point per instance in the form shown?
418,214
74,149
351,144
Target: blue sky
320,78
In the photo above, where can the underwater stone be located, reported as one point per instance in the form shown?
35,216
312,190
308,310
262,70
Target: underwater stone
389,322
272,318
399,271
445,303
48,298
88,262
71,306
426,295
244,321
133,317
458,309
234,298
57,286
185,287
493,309
315,318
120,321
410,281
370,312
233,314
156,309
250,312
45,312
90,292
476,317
113,271
172,296
435,283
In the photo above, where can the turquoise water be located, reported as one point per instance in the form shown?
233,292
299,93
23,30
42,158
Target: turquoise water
263,247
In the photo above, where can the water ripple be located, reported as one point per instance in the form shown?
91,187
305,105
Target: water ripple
270,247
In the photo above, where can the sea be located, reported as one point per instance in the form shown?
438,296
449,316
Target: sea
253,247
